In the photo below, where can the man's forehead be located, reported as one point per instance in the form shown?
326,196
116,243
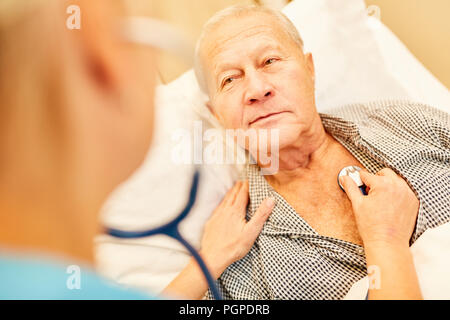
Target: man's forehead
236,28
230,36
228,59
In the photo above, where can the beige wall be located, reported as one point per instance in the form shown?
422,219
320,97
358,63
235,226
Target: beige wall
423,25
188,16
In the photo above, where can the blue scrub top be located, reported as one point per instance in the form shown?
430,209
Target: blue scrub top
26,277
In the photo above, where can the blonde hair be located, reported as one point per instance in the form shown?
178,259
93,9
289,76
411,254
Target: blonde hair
239,11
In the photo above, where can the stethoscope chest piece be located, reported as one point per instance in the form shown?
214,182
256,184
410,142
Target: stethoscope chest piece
352,172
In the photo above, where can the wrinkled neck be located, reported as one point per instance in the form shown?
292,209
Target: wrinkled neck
300,160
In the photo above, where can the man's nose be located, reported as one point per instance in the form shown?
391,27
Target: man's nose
258,90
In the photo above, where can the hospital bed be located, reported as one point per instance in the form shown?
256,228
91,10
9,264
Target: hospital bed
357,58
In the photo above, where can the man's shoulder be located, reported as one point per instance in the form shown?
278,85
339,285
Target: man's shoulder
410,116
401,107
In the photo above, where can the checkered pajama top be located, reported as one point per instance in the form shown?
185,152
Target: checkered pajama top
290,260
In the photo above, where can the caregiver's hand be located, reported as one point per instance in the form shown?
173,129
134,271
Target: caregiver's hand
228,236
388,213
386,218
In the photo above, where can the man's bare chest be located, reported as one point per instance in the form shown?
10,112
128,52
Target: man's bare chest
327,210
323,205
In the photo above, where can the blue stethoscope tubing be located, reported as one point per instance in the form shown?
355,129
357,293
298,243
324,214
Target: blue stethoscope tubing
171,229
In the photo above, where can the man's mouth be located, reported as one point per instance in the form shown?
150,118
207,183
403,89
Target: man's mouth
266,116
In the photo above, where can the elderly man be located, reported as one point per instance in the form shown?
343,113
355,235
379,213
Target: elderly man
317,242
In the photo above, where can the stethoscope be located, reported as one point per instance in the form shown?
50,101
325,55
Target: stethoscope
353,173
171,229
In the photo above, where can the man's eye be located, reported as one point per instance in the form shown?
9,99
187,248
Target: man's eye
228,81
270,61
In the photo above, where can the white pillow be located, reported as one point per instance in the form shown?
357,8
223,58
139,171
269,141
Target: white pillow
349,68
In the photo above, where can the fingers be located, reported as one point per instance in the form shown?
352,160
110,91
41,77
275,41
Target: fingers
386,172
351,189
370,180
256,223
241,200
367,178
232,193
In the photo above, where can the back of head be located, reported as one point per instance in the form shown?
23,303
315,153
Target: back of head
76,115
51,73
29,73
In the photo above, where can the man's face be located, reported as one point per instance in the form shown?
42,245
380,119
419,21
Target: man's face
258,77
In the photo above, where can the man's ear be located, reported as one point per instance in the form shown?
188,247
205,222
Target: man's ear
310,65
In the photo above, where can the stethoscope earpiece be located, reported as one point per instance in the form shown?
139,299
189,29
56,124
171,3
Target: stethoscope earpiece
352,172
